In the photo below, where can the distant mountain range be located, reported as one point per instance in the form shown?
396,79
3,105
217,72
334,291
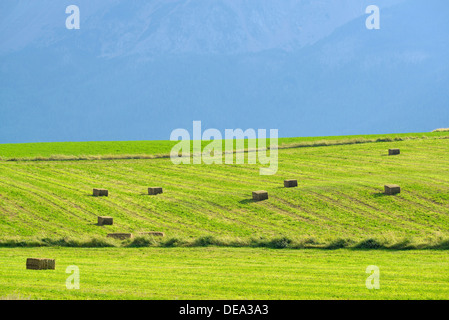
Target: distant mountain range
137,70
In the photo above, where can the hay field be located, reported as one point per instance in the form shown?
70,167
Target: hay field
226,273
219,244
339,201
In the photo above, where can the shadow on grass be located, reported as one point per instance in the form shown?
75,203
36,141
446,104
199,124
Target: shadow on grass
247,201
382,194
389,155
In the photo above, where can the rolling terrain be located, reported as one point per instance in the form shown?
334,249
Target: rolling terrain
339,201
46,207
136,70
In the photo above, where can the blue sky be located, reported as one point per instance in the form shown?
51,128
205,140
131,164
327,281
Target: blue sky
137,70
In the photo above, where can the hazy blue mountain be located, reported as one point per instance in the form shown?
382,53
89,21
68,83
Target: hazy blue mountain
138,70
128,27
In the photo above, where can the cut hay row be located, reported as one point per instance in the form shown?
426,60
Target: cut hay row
304,144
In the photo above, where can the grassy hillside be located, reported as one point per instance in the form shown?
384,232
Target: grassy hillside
339,201
126,149
225,273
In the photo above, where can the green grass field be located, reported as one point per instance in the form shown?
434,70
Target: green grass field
127,149
216,229
226,273
339,199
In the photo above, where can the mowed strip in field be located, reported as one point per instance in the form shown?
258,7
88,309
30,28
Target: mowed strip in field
225,273
155,149
340,195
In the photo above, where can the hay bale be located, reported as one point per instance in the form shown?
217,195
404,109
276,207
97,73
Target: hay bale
391,189
290,183
260,195
152,233
40,264
120,236
105,221
393,152
100,192
154,190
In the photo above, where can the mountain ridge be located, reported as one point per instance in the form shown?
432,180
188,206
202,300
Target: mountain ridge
351,81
